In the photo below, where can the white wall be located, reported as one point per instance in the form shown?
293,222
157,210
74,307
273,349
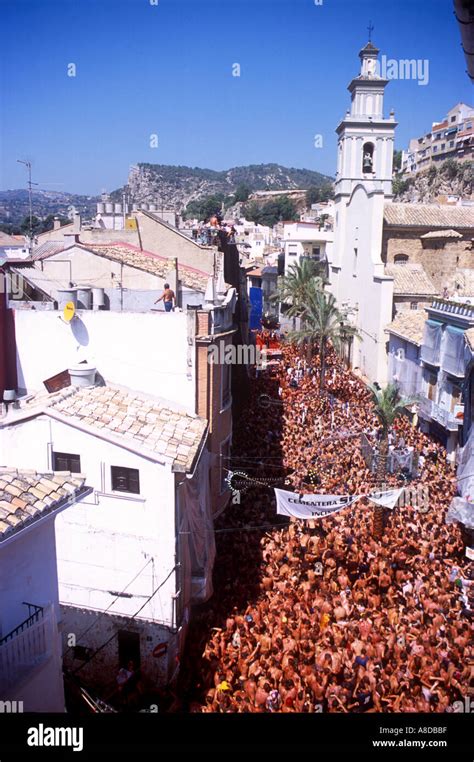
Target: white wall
145,352
28,572
362,284
104,541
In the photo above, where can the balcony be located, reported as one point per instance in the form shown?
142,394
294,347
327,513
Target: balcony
430,355
462,309
27,646
431,410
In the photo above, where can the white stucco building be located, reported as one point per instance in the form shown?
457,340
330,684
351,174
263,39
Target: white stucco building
306,239
363,185
257,237
31,675
136,553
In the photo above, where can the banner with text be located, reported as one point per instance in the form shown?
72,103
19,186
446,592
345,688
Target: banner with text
318,506
311,506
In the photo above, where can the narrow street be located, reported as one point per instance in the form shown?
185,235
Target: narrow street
319,616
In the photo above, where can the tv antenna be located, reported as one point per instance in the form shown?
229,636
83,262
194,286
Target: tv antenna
30,184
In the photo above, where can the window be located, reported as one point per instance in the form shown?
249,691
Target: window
435,148
455,396
125,479
65,461
368,158
400,259
431,380
468,126
451,143
82,653
128,648
316,252
453,118
354,264
443,146
225,383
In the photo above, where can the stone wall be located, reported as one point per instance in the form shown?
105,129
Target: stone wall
100,672
440,258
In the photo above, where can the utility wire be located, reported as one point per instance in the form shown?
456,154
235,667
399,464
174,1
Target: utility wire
79,637
94,654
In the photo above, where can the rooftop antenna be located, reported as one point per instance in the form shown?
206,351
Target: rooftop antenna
371,29
28,166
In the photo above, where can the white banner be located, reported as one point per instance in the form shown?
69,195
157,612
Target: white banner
388,499
311,506
318,506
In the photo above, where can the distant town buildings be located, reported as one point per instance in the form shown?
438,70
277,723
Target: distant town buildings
452,138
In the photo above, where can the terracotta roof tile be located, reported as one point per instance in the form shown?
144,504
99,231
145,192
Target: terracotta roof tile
36,496
429,215
148,423
409,325
127,254
411,279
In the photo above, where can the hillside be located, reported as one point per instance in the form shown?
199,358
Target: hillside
14,205
451,178
175,186
167,185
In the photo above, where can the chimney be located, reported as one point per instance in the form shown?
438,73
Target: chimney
172,278
83,374
210,295
77,222
56,223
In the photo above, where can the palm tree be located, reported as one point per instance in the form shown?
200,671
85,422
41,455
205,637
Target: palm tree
388,406
322,323
295,287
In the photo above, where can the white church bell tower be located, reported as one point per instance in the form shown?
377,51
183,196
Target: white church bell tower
365,147
363,186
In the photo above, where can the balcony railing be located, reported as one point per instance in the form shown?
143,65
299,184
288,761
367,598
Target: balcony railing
26,646
439,414
453,308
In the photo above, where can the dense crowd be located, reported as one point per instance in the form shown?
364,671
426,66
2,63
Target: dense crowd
320,616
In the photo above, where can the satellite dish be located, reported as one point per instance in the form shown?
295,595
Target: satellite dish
69,311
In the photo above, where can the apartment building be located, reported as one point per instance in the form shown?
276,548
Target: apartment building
452,138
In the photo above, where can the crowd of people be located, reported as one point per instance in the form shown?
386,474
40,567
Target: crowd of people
320,616
214,231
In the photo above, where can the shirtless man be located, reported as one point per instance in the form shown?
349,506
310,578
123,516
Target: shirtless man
168,297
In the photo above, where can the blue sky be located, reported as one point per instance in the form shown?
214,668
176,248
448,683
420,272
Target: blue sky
166,69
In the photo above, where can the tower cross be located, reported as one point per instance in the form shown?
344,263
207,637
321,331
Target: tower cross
371,29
